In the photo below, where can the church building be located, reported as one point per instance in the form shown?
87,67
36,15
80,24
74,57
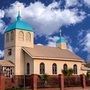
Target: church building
23,57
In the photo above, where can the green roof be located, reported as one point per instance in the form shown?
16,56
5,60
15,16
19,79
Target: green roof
61,40
19,24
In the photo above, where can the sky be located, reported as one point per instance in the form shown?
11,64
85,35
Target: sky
48,17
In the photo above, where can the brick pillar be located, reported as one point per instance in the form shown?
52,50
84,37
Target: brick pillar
34,81
19,81
83,81
16,81
2,82
61,81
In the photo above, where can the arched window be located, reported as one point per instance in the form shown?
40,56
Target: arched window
21,36
75,69
28,36
65,67
42,68
7,37
54,68
28,68
12,35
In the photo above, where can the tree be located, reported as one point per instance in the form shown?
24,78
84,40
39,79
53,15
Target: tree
88,74
44,78
68,72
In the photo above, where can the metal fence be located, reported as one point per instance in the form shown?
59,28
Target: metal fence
72,81
87,81
53,81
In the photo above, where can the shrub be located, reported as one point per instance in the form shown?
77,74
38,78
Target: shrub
88,74
68,72
44,77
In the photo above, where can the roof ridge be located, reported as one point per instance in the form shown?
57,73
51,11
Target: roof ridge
45,46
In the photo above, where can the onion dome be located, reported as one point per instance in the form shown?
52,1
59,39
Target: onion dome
61,40
19,24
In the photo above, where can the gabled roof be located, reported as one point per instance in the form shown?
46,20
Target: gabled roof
6,63
46,52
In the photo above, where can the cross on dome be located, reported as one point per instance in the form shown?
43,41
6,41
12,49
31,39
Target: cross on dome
19,24
19,13
60,33
61,39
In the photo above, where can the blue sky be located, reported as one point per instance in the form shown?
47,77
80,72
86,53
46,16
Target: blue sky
47,18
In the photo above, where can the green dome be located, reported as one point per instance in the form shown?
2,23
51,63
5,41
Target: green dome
19,24
61,40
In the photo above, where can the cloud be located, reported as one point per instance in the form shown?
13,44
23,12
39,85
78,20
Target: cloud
70,3
45,19
70,48
52,41
87,45
1,53
39,44
87,42
2,13
2,24
87,2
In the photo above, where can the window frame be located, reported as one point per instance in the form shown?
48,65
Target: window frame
12,35
28,36
9,52
42,68
54,68
7,37
75,69
28,68
21,36
65,67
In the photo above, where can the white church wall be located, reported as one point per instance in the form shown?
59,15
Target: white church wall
16,45
23,42
9,45
29,60
19,61
48,66
9,57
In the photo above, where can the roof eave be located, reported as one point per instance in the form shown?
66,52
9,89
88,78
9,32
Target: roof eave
17,28
27,52
62,59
